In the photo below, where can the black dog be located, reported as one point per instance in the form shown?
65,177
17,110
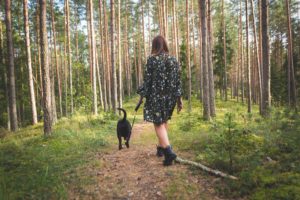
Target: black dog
123,130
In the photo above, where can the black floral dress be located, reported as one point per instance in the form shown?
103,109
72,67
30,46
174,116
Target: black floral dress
161,87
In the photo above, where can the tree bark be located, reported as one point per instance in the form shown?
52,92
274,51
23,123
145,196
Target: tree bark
113,67
99,80
108,71
56,57
45,70
128,63
249,102
93,55
207,169
266,94
242,53
120,56
103,55
206,106
143,31
11,69
4,76
188,57
65,61
210,64
224,51
291,82
200,59
69,54
52,82
174,29
28,52
256,52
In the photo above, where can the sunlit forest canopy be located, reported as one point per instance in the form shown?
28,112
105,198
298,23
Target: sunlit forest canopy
66,66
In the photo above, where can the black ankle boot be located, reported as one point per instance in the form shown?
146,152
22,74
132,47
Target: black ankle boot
169,156
160,151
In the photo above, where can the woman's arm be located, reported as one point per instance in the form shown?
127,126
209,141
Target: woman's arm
178,86
144,89
177,78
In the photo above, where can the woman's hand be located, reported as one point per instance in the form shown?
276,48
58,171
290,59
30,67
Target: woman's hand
139,103
141,99
179,104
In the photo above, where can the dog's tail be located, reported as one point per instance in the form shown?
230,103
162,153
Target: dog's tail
124,112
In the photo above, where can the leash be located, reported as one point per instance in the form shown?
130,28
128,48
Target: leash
136,109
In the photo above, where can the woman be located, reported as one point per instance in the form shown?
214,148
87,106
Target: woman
162,90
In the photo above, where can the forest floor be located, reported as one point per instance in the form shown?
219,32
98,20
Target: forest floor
136,173
81,160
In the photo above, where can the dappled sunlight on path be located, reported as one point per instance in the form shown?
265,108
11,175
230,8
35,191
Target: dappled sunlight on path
136,173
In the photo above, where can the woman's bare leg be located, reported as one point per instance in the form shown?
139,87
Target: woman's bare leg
166,126
162,135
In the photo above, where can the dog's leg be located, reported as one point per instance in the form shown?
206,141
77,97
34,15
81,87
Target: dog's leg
127,141
120,142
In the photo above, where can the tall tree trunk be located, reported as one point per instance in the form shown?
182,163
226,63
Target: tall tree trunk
136,70
93,55
239,66
266,93
206,106
149,29
52,82
28,52
291,82
108,71
224,51
11,69
56,57
65,61
45,69
242,53
160,23
200,59
248,60
143,30
99,80
193,36
89,41
174,29
39,53
256,52
260,43
103,55
128,63
166,19
69,53
120,55
113,67
188,57
4,75
210,63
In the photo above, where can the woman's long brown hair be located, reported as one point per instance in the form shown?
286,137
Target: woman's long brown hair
159,45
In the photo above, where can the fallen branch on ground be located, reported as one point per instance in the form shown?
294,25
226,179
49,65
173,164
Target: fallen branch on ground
207,169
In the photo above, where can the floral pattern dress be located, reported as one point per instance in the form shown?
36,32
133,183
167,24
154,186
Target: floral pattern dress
161,88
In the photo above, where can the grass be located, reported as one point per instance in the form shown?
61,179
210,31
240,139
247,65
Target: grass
35,167
265,153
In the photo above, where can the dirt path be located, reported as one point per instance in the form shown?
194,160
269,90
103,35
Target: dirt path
136,173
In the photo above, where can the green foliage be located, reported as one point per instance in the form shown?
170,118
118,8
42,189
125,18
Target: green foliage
263,152
184,70
218,56
35,167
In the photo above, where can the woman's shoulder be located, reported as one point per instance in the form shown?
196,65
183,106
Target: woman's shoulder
172,60
167,57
